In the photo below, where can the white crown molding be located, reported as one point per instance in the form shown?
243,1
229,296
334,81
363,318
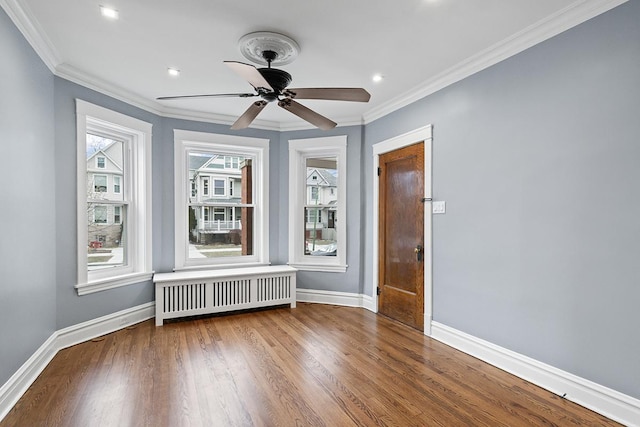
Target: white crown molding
572,15
19,383
32,31
610,403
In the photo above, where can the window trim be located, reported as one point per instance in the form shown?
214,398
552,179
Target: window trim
137,165
299,151
185,141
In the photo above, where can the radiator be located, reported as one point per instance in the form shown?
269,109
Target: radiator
190,293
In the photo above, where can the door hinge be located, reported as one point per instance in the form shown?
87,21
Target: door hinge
379,171
378,290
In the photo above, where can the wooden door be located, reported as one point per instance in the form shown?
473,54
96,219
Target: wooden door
401,235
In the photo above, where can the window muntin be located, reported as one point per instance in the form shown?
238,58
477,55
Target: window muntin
228,225
114,199
317,167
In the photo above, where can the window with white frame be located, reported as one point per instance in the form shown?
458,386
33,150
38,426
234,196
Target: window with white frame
114,223
317,194
217,228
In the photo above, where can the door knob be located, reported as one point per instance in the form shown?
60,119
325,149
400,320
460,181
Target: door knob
418,251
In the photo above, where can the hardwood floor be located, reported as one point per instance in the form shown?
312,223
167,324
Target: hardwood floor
316,365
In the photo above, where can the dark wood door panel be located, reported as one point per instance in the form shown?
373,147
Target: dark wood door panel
401,232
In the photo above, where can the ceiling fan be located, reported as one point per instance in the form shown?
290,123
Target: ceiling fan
270,84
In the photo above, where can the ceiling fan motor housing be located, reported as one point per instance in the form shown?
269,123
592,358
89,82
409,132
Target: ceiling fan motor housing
278,79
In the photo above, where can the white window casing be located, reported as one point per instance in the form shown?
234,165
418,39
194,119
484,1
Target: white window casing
299,151
255,148
136,136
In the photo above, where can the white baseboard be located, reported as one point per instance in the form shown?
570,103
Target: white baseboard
15,387
91,329
610,403
335,298
19,383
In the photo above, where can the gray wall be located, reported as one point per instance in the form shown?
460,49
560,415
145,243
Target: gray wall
27,191
537,159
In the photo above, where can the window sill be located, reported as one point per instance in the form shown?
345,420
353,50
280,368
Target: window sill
112,282
334,268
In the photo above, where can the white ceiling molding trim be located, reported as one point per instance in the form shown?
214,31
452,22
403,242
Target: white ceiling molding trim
567,18
576,13
32,31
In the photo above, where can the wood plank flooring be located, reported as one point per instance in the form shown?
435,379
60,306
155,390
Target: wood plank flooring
315,365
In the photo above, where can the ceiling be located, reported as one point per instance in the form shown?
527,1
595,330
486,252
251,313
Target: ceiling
419,46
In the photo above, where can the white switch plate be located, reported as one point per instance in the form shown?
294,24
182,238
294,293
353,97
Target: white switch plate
438,207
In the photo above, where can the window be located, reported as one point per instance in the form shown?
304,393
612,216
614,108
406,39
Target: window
218,187
317,188
218,231
100,183
205,186
231,162
114,227
99,214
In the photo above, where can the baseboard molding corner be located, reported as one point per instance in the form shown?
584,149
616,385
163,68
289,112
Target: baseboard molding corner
610,403
21,380
19,383
94,328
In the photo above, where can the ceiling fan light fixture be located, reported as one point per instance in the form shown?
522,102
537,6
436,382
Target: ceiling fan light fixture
253,45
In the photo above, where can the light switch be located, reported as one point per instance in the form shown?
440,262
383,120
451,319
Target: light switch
438,207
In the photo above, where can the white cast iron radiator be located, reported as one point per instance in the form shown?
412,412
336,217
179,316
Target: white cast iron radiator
190,293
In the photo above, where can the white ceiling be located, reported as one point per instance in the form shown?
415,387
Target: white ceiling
418,45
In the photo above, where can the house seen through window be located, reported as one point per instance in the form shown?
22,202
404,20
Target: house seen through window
105,228
220,221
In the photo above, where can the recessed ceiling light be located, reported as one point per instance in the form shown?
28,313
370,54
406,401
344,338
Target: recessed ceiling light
377,78
108,12
173,72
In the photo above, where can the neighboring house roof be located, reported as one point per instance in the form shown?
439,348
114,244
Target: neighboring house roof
196,162
106,156
326,179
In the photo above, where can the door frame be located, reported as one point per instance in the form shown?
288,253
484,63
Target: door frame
423,134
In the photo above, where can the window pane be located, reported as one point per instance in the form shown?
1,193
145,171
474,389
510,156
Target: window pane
220,226
106,222
106,155
320,221
106,235
220,232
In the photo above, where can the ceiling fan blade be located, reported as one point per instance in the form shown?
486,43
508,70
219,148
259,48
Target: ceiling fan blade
248,116
355,94
305,113
250,74
210,95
